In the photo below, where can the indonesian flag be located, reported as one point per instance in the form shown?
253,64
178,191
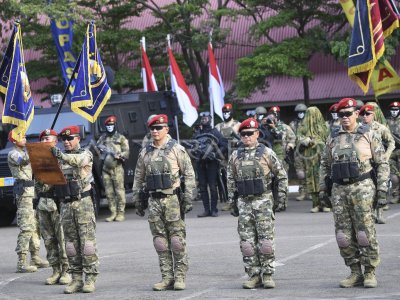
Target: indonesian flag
216,86
185,99
149,81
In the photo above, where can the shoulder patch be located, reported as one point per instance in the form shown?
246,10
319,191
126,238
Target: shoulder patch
363,128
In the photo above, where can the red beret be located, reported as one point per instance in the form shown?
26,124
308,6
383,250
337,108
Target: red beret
249,123
395,104
274,109
110,120
47,132
227,106
70,130
333,108
158,119
346,103
367,107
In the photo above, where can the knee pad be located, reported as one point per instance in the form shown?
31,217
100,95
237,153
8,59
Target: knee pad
89,248
362,239
160,244
342,240
266,247
247,248
176,244
70,249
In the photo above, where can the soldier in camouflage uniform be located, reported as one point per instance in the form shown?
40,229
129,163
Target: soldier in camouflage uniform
347,160
394,126
250,172
77,212
372,116
50,224
161,165
312,135
28,239
300,109
115,150
334,122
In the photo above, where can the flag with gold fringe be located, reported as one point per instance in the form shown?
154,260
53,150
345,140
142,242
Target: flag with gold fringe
374,20
14,84
91,91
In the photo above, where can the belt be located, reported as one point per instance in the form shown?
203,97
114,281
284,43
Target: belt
347,181
26,183
160,195
72,199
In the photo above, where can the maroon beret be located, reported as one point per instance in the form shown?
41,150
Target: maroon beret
367,107
158,119
110,120
333,107
346,103
70,130
395,104
47,132
227,106
274,109
249,123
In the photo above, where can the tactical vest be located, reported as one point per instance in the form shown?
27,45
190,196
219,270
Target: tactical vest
158,171
227,132
250,175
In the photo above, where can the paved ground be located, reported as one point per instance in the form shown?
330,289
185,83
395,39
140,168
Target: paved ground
308,262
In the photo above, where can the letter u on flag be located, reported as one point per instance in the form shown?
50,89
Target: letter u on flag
185,99
91,91
216,86
149,81
14,84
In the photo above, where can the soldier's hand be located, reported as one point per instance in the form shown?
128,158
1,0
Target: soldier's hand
56,152
187,207
381,199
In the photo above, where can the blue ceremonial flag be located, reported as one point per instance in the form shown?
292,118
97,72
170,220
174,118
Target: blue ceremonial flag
63,32
91,91
14,84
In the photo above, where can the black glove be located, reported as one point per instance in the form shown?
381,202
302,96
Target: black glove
234,208
56,152
381,199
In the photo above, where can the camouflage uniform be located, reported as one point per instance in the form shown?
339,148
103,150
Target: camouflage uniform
113,177
166,224
256,216
228,129
394,161
352,200
332,124
298,160
288,140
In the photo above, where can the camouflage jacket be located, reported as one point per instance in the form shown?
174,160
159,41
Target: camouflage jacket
227,128
394,126
387,139
116,143
20,167
288,139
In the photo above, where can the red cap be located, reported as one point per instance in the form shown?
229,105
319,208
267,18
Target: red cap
158,119
227,106
70,130
47,132
333,108
249,123
10,138
110,120
274,109
395,104
367,107
346,103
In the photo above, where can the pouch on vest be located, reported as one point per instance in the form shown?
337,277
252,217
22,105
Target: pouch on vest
344,170
18,188
62,191
251,186
74,188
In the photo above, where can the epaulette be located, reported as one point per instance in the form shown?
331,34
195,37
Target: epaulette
363,128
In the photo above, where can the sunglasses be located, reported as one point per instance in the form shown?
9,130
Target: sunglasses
67,137
246,133
366,114
345,114
156,127
205,114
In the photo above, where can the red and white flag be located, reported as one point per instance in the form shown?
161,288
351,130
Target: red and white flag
149,81
185,99
216,86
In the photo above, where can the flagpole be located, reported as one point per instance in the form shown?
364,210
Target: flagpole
209,88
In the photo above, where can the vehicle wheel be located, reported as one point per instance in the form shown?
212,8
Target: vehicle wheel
6,216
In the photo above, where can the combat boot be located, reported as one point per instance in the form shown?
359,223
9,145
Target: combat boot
268,282
253,282
379,216
37,261
302,194
179,284
226,207
112,217
22,265
89,283
355,278
314,209
369,278
165,284
120,217
64,278
55,277
75,285
326,209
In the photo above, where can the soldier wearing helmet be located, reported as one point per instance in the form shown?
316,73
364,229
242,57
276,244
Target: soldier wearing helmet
114,148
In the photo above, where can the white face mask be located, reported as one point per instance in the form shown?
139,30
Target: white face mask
260,117
300,115
226,115
394,113
334,116
110,128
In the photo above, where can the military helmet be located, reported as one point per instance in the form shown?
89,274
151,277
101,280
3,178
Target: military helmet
300,107
261,110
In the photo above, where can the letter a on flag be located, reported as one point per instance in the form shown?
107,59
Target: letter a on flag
149,81
14,84
91,91
216,86
185,99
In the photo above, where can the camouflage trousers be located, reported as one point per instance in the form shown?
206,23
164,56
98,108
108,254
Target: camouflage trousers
53,236
169,234
256,232
28,239
114,188
354,222
394,163
300,168
79,224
